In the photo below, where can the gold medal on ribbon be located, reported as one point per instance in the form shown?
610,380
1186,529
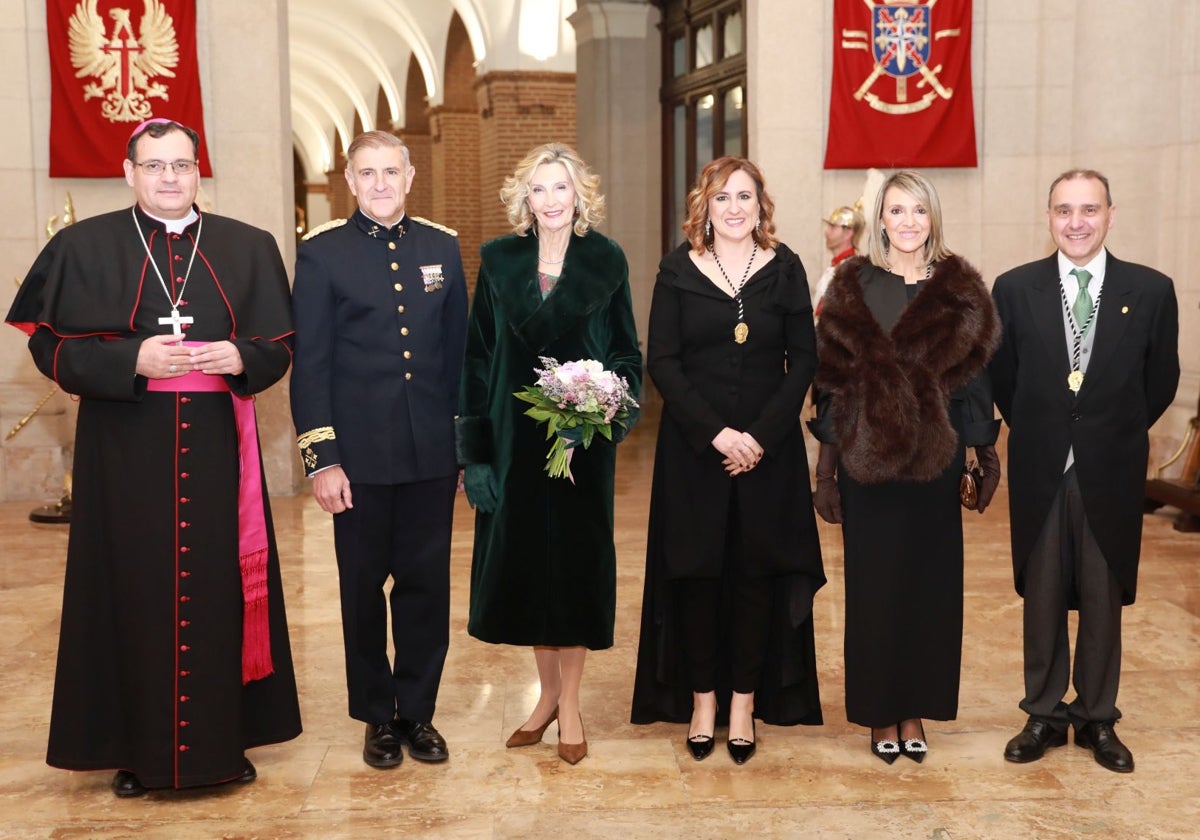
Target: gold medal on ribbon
1075,380
741,332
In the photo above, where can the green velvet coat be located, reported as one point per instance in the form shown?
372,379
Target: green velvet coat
544,565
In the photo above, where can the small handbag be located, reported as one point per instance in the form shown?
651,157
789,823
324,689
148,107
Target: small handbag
968,485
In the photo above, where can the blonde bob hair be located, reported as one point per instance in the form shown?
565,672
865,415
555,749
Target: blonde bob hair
589,203
920,188
712,180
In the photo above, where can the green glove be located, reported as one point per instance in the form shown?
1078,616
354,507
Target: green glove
479,481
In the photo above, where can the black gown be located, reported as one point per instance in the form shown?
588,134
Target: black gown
149,674
709,382
903,544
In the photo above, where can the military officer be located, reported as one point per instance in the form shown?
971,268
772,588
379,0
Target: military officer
380,306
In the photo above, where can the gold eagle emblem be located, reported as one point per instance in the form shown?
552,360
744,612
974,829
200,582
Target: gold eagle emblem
123,66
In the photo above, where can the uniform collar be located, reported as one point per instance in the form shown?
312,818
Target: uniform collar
378,230
844,255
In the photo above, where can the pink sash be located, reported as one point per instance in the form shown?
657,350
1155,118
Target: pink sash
252,520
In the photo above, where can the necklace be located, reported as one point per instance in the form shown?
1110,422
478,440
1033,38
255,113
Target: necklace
552,262
175,320
740,332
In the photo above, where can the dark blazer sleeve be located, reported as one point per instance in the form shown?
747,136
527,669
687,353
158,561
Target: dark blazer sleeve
698,420
1002,370
1162,354
980,426
454,323
92,367
313,308
781,413
265,358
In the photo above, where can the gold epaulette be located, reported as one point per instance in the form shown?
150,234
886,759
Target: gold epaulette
319,229
428,223
315,436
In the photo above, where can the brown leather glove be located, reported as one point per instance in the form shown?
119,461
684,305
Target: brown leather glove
827,500
989,462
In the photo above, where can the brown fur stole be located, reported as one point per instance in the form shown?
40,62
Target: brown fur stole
890,392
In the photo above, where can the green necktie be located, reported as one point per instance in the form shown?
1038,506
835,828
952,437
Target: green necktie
1082,308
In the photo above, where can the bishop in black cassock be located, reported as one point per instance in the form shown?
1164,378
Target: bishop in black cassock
168,669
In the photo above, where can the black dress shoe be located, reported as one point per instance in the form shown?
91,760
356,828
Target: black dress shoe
740,750
701,746
915,748
1106,747
126,785
424,742
249,774
885,749
381,747
1031,743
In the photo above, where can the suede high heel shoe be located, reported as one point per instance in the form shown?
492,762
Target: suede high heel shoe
529,737
572,753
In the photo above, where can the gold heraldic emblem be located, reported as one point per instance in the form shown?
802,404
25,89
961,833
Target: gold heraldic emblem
123,68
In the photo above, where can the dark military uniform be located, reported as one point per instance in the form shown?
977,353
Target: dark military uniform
380,319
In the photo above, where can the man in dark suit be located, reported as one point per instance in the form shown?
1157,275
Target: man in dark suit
380,307
1089,361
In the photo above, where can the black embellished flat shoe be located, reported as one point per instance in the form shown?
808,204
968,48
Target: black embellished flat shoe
701,746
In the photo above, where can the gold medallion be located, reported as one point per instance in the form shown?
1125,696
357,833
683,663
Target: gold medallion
1075,380
741,332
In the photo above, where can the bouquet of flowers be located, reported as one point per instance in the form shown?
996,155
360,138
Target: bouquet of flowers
575,400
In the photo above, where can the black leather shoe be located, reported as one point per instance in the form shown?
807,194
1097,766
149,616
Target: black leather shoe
1106,747
424,742
1031,743
915,748
126,785
249,774
886,750
740,750
701,746
381,747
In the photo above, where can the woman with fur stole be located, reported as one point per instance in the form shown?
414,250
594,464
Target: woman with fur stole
904,337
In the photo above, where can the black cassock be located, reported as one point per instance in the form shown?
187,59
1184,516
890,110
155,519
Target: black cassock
149,674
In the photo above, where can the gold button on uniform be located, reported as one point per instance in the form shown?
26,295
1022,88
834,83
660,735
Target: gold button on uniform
404,331
391,246
398,287
400,308
408,376
408,354
395,266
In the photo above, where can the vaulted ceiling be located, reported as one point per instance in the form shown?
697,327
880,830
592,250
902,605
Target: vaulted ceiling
348,55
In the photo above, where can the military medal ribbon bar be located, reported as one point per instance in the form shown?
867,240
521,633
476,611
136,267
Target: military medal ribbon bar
113,64
901,93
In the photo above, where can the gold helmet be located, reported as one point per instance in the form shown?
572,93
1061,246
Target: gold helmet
846,217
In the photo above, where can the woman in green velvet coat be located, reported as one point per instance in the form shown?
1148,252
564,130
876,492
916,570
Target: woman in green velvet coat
544,566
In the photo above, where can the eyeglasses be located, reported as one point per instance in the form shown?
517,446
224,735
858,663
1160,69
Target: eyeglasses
158,167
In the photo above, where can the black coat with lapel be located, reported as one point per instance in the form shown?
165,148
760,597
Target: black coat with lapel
1130,382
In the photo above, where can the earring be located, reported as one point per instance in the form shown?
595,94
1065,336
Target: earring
707,228
758,224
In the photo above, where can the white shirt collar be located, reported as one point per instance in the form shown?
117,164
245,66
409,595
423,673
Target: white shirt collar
176,225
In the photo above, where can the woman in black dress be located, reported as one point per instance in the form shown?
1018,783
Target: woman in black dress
732,557
904,335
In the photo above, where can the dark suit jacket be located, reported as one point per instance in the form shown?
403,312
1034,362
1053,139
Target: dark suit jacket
1130,381
380,329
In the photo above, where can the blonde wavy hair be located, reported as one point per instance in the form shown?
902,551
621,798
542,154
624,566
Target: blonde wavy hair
712,180
589,203
920,188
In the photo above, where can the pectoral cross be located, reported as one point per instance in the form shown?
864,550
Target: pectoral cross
176,321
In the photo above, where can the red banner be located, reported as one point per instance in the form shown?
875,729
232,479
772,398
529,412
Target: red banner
901,85
113,65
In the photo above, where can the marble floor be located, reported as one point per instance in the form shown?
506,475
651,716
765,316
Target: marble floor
637,782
